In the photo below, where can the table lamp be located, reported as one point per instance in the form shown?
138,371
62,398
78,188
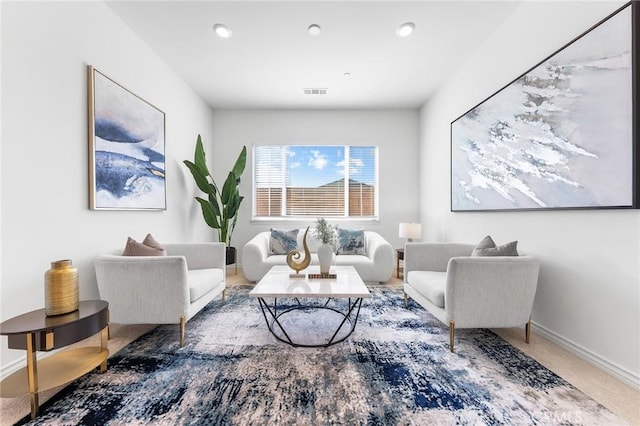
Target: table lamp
410,231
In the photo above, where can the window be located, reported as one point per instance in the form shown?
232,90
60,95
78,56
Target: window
301,181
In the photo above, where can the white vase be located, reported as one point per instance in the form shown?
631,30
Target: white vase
325,257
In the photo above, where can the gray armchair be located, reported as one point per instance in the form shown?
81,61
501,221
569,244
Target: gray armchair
162,289
470,292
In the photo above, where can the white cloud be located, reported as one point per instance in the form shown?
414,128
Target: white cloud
318,161
355,164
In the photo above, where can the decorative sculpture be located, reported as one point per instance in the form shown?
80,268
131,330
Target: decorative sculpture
294,255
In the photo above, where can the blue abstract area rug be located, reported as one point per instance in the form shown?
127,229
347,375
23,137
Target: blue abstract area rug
395,369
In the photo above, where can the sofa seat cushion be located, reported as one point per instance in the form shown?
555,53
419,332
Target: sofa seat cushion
202,281
429,284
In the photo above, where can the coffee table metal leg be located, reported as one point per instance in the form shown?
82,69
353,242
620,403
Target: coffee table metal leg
359,301
348,316
263,306
32,372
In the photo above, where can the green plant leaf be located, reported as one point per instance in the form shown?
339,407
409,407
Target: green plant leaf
232,206
207,212
229,188
199,157
200,178
215,206
241,162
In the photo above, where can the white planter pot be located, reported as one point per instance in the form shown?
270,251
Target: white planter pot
325,257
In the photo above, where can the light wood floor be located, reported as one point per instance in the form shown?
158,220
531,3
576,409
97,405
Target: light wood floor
621,399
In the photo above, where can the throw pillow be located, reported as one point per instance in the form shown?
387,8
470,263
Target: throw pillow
283,241
149,247
351,241
149,241
487,247
487,242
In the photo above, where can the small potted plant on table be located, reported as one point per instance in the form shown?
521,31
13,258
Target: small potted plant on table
326,251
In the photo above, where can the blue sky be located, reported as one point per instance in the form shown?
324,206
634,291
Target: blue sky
312,166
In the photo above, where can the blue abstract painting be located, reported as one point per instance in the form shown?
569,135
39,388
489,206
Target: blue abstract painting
127,139
559,136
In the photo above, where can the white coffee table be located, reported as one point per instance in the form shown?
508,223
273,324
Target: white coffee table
347,286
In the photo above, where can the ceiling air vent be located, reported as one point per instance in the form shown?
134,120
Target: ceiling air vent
315,91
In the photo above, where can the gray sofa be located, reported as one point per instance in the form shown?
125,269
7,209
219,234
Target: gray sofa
162,289
376,266
470,292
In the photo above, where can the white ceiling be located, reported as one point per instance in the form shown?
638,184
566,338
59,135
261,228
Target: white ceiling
271,57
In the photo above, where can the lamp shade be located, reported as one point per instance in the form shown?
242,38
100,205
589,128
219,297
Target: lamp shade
410,230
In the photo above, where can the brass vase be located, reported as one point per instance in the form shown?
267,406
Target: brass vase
61,288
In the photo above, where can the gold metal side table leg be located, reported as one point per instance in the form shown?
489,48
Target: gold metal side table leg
104,344
32,373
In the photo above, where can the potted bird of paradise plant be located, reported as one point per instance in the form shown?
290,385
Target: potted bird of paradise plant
221,206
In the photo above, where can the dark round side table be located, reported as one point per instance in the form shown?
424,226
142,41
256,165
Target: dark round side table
34,331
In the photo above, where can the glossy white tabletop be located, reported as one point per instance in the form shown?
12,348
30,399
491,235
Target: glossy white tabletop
277,283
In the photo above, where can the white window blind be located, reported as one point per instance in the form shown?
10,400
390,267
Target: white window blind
301,181
268,180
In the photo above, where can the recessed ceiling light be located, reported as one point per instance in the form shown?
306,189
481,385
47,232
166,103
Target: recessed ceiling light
314,29
222,30
405,29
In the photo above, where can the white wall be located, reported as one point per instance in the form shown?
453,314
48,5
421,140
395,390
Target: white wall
589,290
45,217
394,132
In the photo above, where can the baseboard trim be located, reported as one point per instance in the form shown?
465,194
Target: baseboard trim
16,365
12,367
599,361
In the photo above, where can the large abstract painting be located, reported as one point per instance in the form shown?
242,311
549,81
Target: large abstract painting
561,136
127,148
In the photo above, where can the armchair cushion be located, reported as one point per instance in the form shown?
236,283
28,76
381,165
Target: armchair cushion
429,284
202,281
